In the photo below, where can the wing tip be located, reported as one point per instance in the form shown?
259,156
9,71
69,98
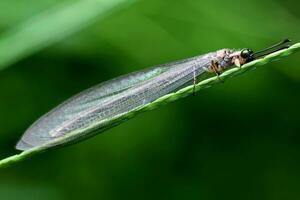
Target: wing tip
23,146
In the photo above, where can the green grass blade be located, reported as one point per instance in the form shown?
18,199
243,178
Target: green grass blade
52,26
163,100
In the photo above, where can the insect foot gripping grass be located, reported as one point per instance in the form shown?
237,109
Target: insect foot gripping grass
110,103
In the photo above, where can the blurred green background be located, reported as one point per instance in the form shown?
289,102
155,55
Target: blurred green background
238,140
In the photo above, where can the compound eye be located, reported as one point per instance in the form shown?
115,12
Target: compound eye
246,53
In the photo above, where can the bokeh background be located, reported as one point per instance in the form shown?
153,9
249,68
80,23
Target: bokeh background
238,140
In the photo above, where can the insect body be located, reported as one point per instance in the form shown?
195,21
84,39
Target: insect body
81,116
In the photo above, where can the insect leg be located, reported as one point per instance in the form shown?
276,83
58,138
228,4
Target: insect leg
214,67
237,63
195,81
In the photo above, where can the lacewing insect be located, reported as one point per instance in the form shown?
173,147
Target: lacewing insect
88,111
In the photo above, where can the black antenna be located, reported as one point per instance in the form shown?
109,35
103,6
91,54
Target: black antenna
275,48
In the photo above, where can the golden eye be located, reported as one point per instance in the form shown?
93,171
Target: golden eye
246,53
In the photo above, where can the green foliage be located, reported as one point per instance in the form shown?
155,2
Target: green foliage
237,138
52,26
163,100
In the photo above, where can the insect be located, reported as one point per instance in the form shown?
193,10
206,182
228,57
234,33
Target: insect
88,111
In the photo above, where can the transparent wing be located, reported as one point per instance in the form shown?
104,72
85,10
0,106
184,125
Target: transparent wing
80,102
108,99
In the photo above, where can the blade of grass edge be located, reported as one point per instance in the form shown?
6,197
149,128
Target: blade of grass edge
52,26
